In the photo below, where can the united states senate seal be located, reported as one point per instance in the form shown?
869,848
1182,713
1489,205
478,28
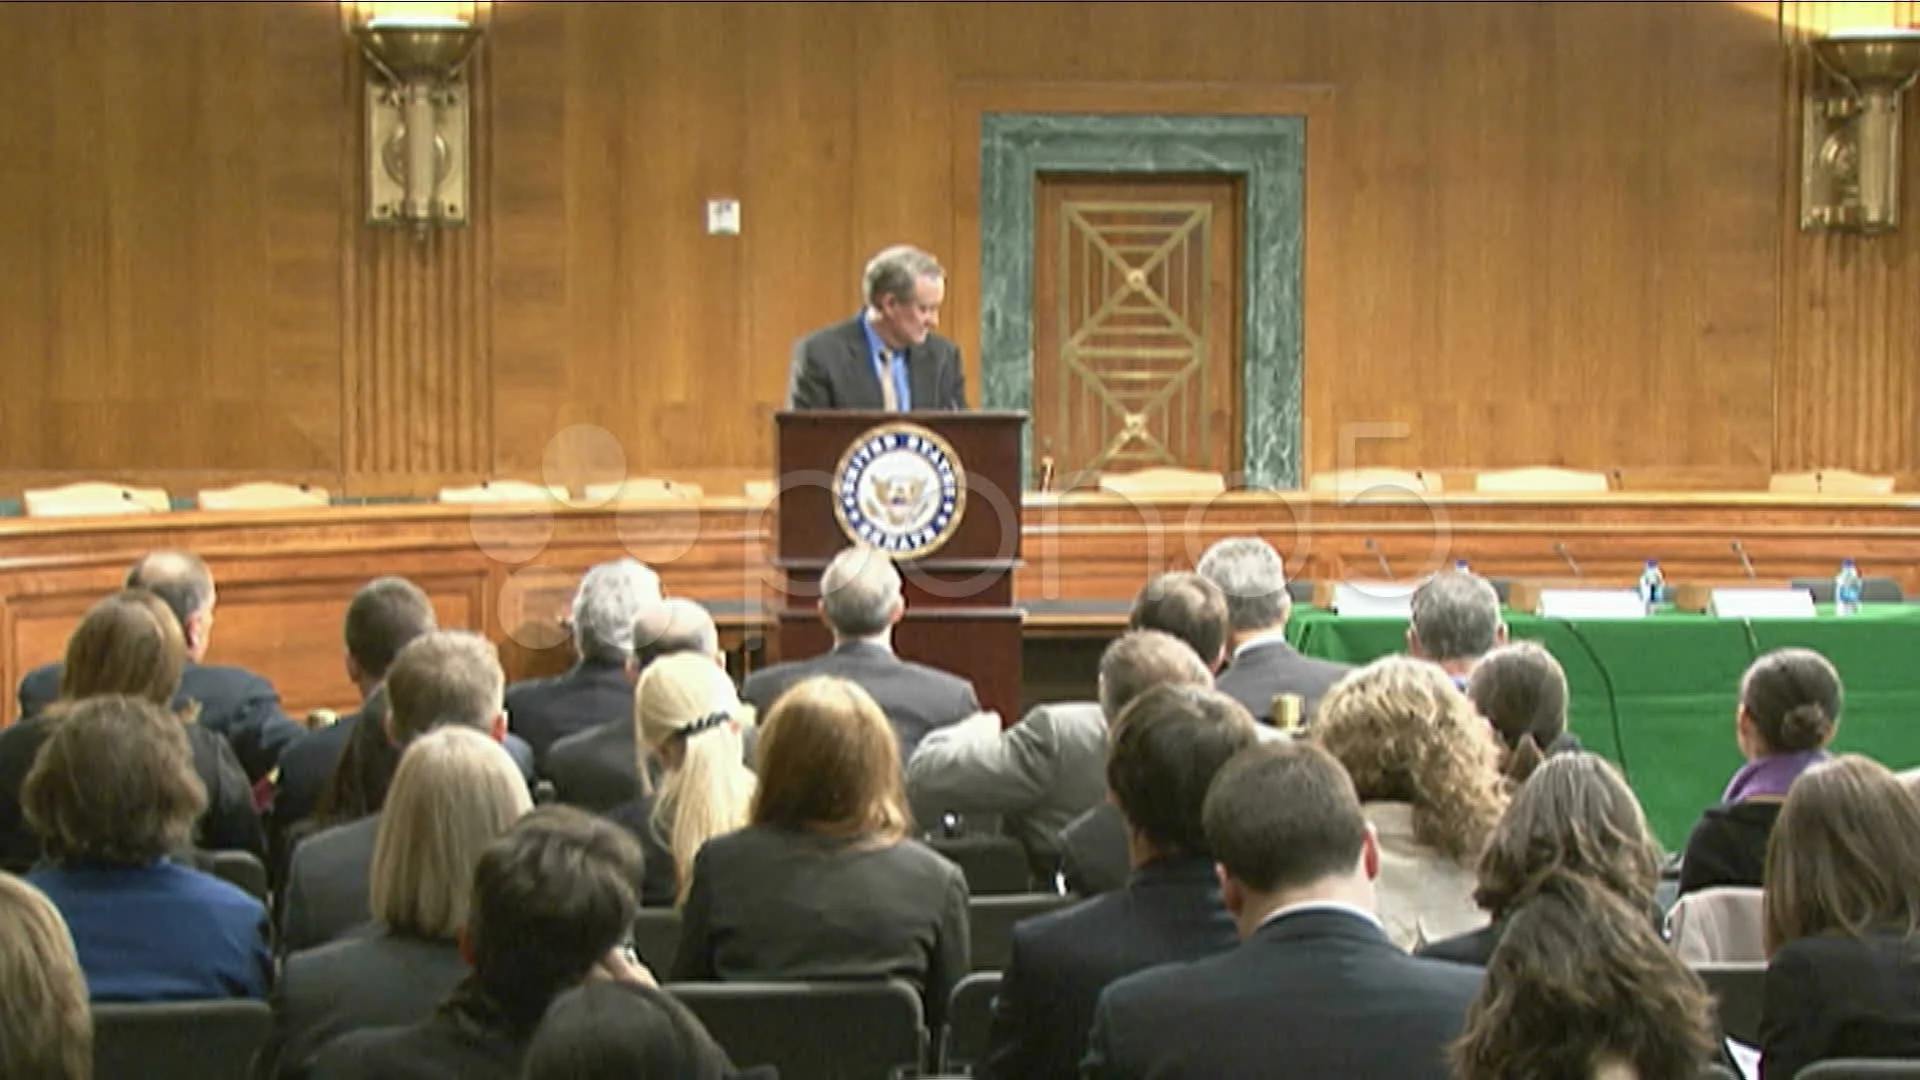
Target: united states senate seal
900,488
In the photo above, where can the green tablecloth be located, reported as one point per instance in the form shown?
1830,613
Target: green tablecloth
1658,695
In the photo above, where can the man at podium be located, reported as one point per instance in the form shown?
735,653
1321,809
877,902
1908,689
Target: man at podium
887,358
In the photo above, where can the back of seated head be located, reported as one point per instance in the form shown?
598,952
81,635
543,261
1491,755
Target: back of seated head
830,764
674,625
1844,855
1140,660
860,593
1792,698
1522,691
690,718
456,791
46,1024
1574,815
550,899
129,643
1581,980
1168,746
444,677
1283,816
610,596
113,784
1252,577
1456,616
609,1030
1190,608
382,618
179,578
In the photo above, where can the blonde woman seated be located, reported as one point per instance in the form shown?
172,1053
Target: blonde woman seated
824,884
456,791
1427,772
691,724
46,1028
1575,815
1842,920
113,794
1582,988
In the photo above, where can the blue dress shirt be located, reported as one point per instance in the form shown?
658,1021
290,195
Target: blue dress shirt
888,364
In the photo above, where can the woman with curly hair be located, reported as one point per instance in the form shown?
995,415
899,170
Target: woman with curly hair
1427,770
1574,815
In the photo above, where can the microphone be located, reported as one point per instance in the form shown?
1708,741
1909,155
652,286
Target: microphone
1381,556
1567,557
1046,473
1746,564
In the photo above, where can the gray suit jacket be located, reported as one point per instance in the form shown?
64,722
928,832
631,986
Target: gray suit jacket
832,369
327,884
1041,773
371,979
916,698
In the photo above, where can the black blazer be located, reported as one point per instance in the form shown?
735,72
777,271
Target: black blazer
234,703
1169,912
372,979
597,769
544,711
833,369
916,698
659,881
1728,845
327,885
308,764
1315,994
1093,852
771,905
1256,675
1840,997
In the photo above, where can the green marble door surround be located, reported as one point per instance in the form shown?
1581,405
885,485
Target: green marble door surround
1267,152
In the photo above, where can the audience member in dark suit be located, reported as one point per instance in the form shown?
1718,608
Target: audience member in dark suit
383,616
129,643
860,602
597,769
1521,690
447,677
1575,815
887,357
113,793
824,884
1262,665
605,1029
234,703
46,1028
1583,986
1317,989
1167,747
1843,911
455,793
553,901
1790,703
598,689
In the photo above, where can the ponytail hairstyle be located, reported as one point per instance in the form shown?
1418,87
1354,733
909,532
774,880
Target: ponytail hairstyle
1792,697
686,701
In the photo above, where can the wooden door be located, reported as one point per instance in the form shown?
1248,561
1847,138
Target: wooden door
1137,297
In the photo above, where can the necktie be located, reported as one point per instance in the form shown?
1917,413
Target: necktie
889,392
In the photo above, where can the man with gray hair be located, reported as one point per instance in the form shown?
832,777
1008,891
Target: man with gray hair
887,358
1262,668
597,689
860,602
1456,621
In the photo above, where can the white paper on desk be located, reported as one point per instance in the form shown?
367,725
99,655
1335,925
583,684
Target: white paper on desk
1746,1059
1592,604
1378,599
1762,604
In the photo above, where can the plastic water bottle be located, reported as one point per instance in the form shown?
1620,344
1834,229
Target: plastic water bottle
1846,589
1460,567
1653,586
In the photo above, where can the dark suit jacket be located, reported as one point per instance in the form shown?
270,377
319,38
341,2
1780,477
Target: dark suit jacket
1728,845
544,711
597,769
1840,997
1170,912
234,703
659,881
833,369
1093,852
308,764
772,905
1254,676
327,885
464,1039
372,979
916,698
1313,995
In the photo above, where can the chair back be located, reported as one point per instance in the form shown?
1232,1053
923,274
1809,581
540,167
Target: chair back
1829,482
1873,590
504,491
178,1040
1379,483
92,498
656,936
1863,1069
262,496
1725,925
642,489
241,869
993,865
815,1030
1164,481
969,1018
1542,480
991,919
1738,990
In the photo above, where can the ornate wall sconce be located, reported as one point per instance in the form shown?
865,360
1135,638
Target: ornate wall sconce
1850,145
417,118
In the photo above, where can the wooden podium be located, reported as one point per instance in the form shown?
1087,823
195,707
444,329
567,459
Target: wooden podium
959,592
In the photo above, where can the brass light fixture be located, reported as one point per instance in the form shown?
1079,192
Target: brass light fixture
417,117
1850,144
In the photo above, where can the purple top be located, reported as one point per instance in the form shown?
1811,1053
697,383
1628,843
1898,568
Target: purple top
1771,775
